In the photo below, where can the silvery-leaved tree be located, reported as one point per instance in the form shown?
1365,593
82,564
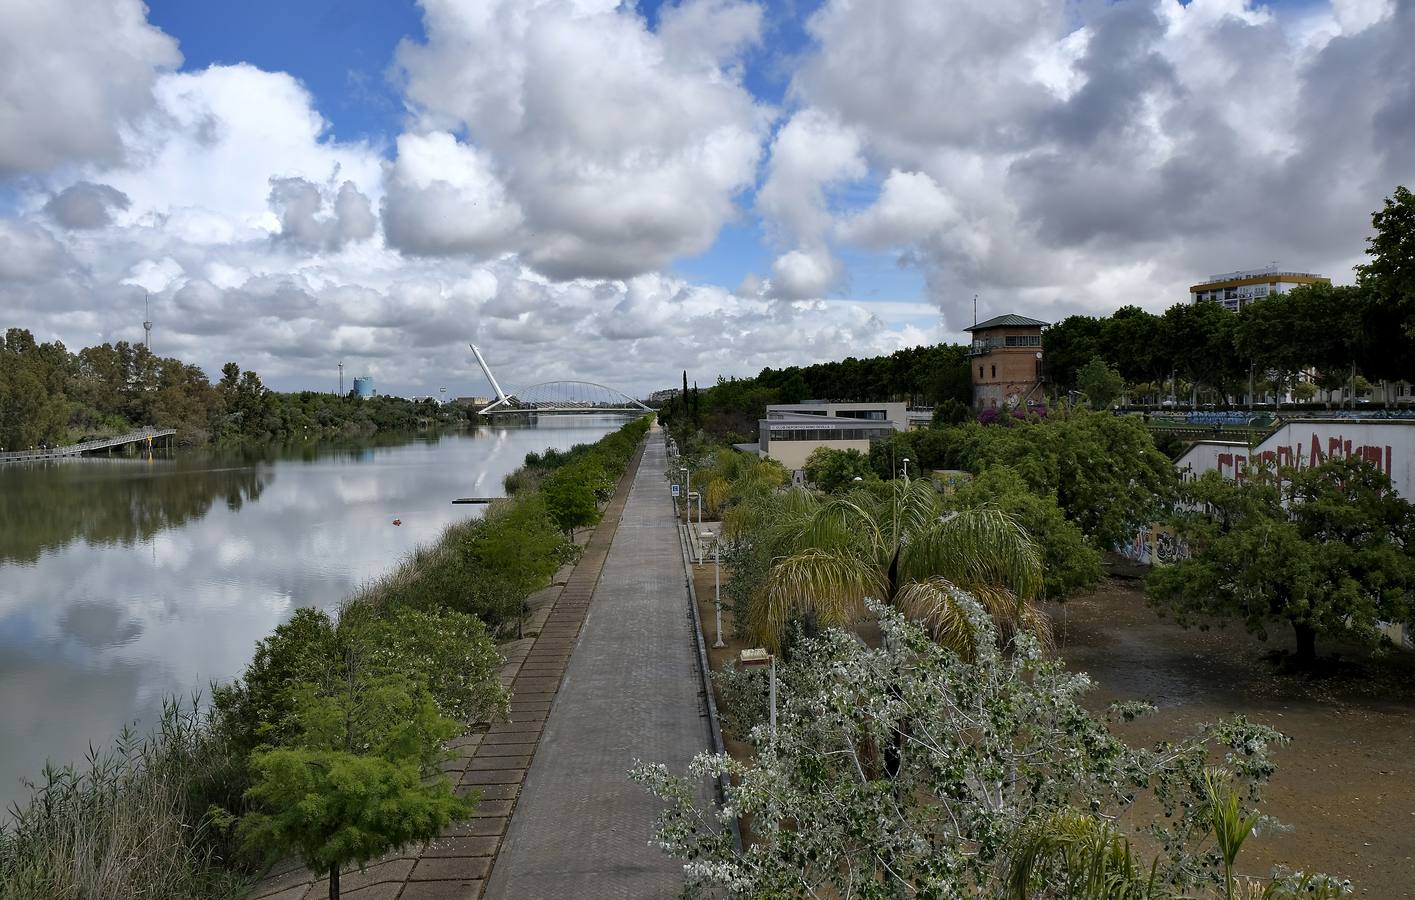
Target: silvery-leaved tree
1009,788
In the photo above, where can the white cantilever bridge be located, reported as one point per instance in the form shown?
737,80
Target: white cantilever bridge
556,397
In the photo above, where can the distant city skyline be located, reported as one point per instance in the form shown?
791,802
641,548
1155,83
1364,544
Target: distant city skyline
618,191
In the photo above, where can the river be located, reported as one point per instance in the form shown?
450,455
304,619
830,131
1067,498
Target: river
125,581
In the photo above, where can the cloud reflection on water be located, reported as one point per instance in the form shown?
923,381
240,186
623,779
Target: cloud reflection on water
123,582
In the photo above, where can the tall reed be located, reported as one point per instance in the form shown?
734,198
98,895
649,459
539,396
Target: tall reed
139,820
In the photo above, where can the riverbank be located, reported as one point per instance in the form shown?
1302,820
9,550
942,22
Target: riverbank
487,567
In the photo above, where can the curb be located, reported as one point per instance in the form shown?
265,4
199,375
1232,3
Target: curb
705,673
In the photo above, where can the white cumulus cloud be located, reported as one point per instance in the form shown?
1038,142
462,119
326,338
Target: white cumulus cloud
73,74
620,149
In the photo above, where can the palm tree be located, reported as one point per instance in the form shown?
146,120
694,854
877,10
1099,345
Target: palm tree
897,546
734,477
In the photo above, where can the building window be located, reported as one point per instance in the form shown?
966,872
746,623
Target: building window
980,373
1022,340
876,414
994,371
831,434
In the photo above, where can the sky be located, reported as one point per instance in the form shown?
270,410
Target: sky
617,191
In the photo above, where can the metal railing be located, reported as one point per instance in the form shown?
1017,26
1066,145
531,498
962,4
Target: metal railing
77,449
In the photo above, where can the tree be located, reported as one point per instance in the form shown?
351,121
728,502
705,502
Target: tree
1390,274
359,780
1101,383
570,497
1070,344
1135,345
1069,564
833,555
1103,470
1004,763
833,470
1326,550
32,404
1199,338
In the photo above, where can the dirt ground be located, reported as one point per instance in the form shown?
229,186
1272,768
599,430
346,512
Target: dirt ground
1346,782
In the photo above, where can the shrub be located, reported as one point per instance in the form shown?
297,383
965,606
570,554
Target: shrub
744,699
447,652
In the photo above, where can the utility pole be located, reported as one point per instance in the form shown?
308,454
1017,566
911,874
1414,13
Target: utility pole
341,379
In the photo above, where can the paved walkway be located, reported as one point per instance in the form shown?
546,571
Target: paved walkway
629,691
632,691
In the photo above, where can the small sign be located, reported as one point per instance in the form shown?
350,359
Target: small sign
675,490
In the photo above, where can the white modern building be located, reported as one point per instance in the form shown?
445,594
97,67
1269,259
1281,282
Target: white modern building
791,431
1235,290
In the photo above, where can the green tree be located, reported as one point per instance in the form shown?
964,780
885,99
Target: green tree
833,470
951,412
32,380
1103,470
1069,564
1390,274
360,779
1070,344
1101,383
1326,550
570,498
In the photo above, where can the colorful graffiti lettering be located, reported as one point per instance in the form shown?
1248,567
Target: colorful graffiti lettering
1231,465
1158,545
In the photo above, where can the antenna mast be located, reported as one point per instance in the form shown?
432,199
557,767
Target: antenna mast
146,322
341,378
975,309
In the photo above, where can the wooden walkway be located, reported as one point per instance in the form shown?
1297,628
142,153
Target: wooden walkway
146,434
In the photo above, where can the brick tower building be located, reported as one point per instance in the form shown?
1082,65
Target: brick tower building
1006,361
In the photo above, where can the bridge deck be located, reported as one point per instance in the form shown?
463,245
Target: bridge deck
146,434
566,410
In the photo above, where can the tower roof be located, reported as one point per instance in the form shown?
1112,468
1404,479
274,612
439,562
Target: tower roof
1007,321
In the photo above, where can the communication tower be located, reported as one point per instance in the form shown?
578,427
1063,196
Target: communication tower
146,323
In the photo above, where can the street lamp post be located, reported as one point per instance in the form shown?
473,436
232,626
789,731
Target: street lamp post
905,469
717,586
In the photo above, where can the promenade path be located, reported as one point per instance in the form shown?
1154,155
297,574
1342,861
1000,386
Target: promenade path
609,677
632,691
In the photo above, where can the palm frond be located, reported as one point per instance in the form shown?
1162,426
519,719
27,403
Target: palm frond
831,584
933,604
918,506
1071,854
974,548
839,523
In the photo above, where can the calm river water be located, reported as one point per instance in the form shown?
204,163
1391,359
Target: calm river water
126,581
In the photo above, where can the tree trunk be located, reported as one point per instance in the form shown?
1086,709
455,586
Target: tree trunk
1306,644
334,882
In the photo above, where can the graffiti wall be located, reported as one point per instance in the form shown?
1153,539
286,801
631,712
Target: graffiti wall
1157,545
1389,444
